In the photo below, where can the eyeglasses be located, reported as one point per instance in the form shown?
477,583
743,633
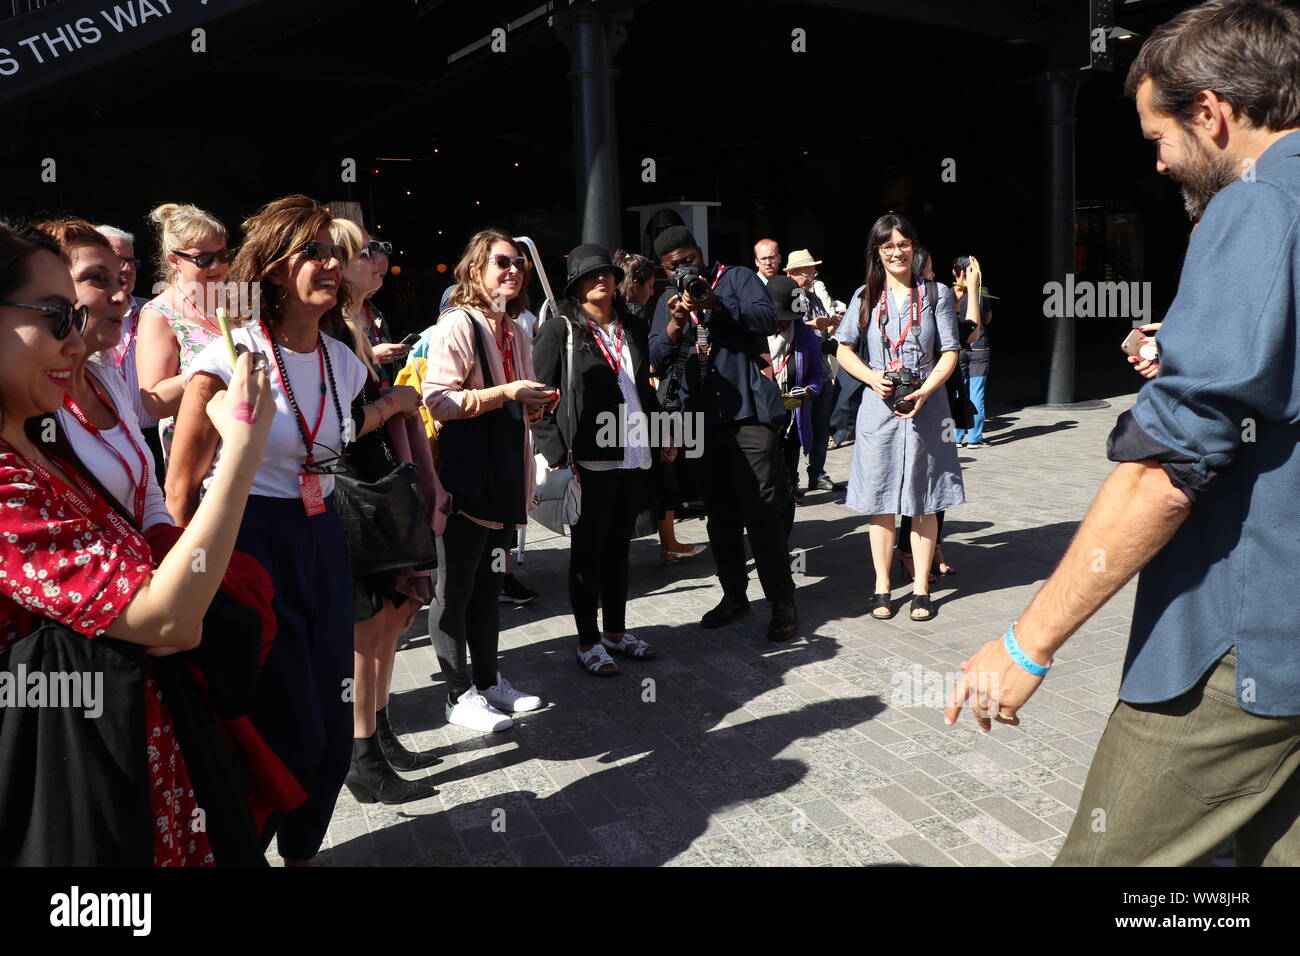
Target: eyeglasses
68,315
323,252
504,262
333,464
377,247
904,246
203,260
769,258
135,263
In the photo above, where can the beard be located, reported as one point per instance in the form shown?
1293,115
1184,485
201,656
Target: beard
1202,177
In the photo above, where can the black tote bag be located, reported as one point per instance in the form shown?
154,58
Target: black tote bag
481,458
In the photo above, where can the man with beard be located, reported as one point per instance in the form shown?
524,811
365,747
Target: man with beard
1204,742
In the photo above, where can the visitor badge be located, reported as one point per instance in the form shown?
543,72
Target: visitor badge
309,488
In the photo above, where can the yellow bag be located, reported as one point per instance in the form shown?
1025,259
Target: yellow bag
413,375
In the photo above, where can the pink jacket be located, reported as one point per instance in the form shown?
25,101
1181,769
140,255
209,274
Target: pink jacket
453,383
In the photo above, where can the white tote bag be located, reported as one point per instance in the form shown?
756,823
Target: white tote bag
558,494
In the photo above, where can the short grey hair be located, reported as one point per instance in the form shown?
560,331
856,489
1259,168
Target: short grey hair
112,232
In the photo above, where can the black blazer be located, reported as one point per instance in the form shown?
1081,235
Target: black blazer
596,387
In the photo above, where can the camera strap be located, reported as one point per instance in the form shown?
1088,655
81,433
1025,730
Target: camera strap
913,325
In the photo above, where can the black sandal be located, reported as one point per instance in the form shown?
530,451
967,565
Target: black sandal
921,602
879,601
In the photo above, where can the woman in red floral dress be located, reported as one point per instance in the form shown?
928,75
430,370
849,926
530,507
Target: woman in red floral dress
66,554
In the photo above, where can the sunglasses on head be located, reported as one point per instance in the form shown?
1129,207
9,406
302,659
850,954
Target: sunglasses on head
323,252
204,260
504,262
67,315
375,247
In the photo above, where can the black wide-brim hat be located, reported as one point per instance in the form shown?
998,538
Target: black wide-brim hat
586,259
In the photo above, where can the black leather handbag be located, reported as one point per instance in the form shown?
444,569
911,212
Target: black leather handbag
386,521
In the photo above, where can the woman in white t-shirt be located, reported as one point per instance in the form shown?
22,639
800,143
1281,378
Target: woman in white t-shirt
303,705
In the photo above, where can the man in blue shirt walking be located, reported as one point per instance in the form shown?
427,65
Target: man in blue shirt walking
1204,743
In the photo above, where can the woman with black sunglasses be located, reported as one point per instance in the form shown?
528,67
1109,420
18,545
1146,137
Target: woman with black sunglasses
479,384
304,699
180,321
75,567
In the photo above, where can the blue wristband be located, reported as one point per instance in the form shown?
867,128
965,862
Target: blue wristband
1019,656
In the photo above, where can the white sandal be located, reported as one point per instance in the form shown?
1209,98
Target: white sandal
631,646
596,658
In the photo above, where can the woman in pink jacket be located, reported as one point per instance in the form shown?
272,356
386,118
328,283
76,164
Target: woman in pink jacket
479,386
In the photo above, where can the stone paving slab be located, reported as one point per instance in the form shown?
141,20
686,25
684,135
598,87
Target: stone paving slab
730,750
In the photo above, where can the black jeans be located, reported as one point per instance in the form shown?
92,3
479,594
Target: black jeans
471,564
844,416
598,548
823,405
790,448
742,475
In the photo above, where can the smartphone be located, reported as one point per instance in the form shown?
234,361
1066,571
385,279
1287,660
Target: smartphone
1140,345
410,339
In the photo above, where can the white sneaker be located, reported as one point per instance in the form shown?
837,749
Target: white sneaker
472,710
506,698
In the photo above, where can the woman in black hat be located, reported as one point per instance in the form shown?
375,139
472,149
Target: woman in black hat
609,446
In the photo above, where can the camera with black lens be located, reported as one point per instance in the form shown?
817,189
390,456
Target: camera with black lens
688,280
905,381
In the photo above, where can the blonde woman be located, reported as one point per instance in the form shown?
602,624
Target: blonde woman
479,382
176,325
383,605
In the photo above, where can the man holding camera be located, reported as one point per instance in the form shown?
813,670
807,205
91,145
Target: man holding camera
707,345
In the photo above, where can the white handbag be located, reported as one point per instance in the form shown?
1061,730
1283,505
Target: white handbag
559,494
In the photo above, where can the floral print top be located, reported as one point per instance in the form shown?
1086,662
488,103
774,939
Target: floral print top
191,339
57,564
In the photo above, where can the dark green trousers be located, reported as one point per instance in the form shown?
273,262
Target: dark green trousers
1172,782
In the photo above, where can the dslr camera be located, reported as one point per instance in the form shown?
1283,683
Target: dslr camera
688,280
906,381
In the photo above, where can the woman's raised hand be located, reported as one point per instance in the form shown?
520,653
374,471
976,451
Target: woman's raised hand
242,411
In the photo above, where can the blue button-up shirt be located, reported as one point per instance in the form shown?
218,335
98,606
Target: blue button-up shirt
1226,405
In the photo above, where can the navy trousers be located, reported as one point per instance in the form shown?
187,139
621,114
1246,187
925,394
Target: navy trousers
304,696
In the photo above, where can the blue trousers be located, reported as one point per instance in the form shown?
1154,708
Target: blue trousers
976,432
303,706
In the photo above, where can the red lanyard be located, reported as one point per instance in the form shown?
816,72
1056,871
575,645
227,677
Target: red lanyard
140,487
308,437
92,506
616,361
203,319
695,318
785,360
914,319
505,344
124,348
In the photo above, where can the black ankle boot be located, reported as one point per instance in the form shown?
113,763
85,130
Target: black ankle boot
398,757
371,780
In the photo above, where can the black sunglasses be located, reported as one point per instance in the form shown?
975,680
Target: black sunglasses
68,315
323,252
377,247
135,263
204,260
504,262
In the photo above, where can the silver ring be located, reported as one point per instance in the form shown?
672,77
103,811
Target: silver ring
261,363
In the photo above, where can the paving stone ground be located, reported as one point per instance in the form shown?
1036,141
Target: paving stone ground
730,750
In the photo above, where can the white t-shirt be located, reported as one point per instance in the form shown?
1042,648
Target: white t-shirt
102,463
277,476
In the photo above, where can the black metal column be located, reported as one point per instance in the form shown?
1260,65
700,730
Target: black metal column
593,34
1058,203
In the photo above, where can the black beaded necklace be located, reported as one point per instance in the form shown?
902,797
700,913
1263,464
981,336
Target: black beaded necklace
288,389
